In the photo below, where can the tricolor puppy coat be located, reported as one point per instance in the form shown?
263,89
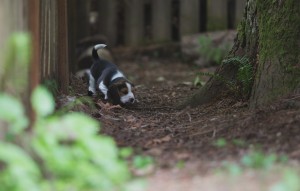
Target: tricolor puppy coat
106,77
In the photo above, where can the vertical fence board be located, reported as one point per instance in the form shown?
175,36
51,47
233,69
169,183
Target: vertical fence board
217,15
72,33
83,17
189,17
240,8
62,63
108,26
161,18
134,26
34,28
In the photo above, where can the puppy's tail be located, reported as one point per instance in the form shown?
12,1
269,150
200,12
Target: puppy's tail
97,47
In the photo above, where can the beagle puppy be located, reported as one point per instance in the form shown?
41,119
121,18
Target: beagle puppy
106,77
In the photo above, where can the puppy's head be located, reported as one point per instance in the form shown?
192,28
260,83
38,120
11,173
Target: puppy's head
121,92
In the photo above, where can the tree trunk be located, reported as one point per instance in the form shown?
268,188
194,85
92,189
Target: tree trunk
268,40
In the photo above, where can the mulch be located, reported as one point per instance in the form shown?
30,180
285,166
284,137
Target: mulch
154,126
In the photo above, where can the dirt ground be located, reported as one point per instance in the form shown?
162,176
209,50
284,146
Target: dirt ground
154,127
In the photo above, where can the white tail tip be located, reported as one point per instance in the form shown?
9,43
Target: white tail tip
99,46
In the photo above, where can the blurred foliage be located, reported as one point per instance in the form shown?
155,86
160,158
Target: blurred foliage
221,142
14,67
141,162
259,160
290,181
254,160
59,153
51,85
211,52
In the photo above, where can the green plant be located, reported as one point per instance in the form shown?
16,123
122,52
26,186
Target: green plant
239,142
221,142
245,75
259,160
51,85
59,152
232,169
230,84
16,58
198,81
180,164
141,162
210,52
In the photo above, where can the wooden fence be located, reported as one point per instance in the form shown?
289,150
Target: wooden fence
57,25
47,23
54,55
135,22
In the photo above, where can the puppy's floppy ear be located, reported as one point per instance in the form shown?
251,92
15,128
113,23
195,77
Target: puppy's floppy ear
113,93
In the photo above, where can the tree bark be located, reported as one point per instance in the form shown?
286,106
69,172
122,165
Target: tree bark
269,37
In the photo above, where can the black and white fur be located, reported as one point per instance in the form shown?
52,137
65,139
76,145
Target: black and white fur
106,77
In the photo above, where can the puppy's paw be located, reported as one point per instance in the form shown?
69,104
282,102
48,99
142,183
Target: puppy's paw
90,93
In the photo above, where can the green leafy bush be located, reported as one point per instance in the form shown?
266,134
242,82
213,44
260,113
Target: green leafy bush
58,152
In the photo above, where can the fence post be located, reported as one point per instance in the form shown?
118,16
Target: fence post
189,17
82,19
240,9
34,28
217,15
161,20
62,46
107,24
134,25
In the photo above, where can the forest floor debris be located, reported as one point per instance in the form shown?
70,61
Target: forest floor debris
200,139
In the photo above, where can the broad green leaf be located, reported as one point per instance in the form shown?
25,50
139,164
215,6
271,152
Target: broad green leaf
23,46
18,168
42,101
13,113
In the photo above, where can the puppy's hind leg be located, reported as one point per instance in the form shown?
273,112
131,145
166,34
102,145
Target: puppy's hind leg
103,89
92,85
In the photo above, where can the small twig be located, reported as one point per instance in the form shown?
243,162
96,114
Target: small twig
294,98
148,108
190,118
214,133
206,132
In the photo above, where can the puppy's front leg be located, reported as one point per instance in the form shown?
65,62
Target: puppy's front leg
92,84
103,89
